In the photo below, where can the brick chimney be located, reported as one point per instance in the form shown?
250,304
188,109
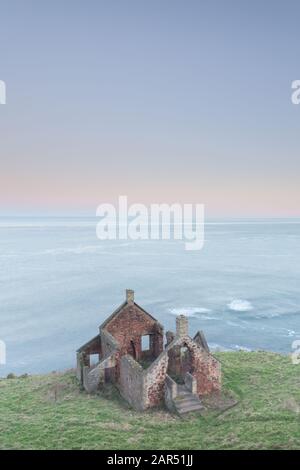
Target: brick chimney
129,296
182,325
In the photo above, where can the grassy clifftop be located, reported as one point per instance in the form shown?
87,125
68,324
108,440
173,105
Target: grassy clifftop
50,412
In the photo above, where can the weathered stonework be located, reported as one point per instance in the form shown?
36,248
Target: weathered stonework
132,382
171,391
155,377
128,329
190,382
147,377
182,326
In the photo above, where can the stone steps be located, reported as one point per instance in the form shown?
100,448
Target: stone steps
187,402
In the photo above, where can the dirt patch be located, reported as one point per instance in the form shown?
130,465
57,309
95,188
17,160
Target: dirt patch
219,401
292,405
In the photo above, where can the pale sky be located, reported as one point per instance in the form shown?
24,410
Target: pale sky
161,100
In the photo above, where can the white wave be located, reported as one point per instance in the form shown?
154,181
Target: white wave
189,311
290,332
242,348
239,305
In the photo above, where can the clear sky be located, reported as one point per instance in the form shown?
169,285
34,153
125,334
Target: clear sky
162,101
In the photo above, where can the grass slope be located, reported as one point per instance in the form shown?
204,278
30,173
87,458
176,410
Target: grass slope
50,412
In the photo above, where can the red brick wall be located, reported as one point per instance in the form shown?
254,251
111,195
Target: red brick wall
155,381
206,369
202,365
129,326
208,375
93,347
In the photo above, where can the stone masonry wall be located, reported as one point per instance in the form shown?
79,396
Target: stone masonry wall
94,377
108,342
110,346
146,388
143,388
131,383
171,391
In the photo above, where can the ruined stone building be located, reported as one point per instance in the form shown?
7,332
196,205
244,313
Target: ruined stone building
129,352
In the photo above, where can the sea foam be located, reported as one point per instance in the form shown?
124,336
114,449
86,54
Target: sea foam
189,311
239,305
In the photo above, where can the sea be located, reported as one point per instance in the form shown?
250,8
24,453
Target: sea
58,283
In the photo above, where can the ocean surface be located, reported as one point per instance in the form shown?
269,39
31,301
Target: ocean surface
58,282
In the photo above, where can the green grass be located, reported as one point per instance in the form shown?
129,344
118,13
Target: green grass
50,412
